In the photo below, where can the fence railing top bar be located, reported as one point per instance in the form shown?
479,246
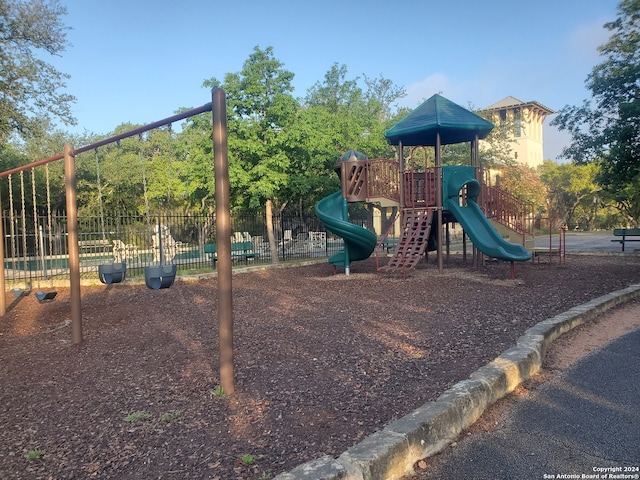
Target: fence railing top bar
136,131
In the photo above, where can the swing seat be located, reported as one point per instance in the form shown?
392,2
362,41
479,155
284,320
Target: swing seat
160,276
17,292
42,296
112,272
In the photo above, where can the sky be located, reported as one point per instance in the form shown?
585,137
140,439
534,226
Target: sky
140,61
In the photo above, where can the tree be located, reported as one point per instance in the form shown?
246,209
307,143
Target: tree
345,117
51,142
197,171
522,182
356,119
30,88
385,93
626,200
571,188
608,132
260,108
311,145
335,93
494,152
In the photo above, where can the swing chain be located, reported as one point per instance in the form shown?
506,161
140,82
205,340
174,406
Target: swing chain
100,194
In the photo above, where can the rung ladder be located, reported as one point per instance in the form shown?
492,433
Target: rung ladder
416,227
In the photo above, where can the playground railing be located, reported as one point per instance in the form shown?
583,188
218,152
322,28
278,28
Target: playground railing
383,179
507,210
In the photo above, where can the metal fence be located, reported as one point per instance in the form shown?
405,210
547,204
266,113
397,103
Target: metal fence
187,241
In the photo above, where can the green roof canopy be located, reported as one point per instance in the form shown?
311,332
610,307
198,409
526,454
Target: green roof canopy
438,115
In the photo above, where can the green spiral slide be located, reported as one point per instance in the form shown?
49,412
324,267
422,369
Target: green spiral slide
359,242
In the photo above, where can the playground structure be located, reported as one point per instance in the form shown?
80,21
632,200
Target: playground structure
427,198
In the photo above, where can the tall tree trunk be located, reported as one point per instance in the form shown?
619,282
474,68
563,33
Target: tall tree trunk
387,217
273,246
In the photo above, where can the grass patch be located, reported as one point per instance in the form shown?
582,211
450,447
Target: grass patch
135,417
33,454
217,392
170,416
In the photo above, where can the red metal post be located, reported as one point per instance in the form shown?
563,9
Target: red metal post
401,176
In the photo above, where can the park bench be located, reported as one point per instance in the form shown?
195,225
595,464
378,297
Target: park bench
211,252
243,251
239,251
98,245
625,233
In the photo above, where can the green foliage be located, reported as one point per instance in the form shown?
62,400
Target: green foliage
606,129
626,200
281,150
336,116
248,459
197,168
260,107
34,454
30,87
523,182
12,157
218,391
383,93
171,416
571,187
138,416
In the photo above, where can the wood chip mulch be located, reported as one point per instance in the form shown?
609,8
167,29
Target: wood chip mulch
321,362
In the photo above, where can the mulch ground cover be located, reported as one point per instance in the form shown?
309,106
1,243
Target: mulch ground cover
321,362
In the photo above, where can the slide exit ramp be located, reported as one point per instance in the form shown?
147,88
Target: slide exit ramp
359,242
476,225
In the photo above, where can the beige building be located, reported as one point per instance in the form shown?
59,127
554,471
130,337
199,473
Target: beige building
524,122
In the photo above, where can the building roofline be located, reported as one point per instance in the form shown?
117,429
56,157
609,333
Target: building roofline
512,102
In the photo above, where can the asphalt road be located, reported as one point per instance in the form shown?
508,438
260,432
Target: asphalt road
589,242
583,423
577,242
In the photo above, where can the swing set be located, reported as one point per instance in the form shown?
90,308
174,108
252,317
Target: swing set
31,261
32,240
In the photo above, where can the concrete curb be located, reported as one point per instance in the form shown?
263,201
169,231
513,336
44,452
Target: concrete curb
391,452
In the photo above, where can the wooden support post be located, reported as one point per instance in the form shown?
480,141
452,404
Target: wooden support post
223,240
439,201
72,243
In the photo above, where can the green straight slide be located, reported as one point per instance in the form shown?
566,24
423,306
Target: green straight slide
475,223
359,242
